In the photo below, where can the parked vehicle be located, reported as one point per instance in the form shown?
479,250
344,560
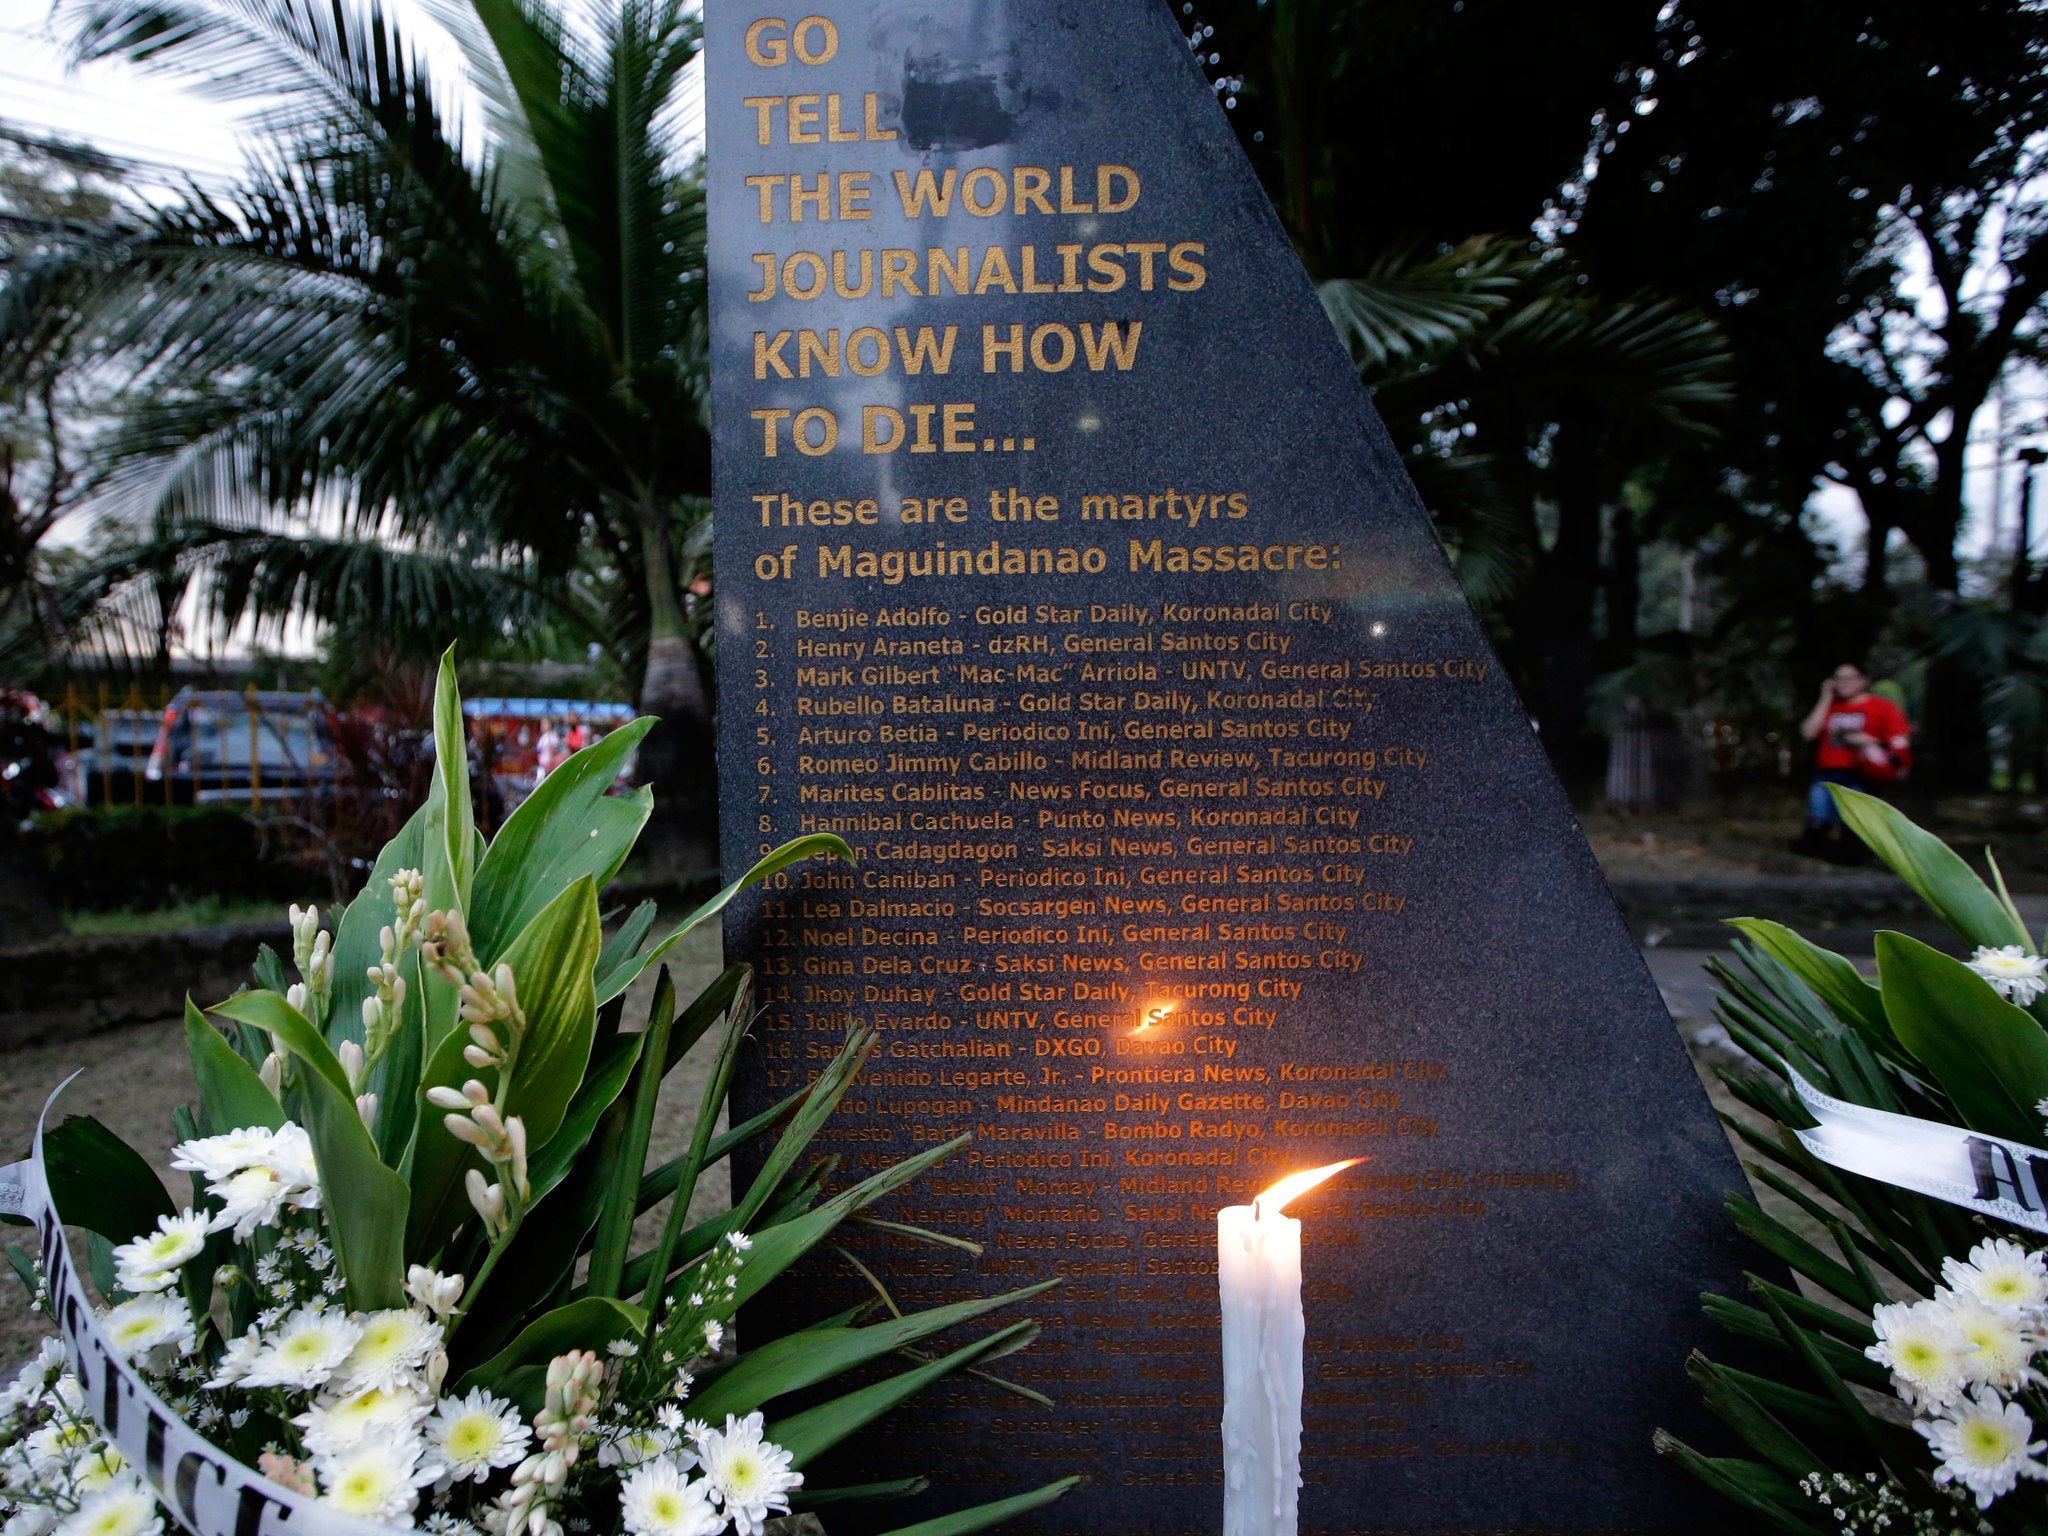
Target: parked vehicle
222,745
111,763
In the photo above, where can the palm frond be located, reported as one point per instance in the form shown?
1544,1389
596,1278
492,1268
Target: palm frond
1405,313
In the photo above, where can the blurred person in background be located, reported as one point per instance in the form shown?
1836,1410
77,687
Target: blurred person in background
1861,740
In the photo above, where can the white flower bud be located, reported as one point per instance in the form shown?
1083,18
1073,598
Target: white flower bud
352,1062
366,1110
477,1056
447,1098
475,1092
464,1129
295,994
272,1072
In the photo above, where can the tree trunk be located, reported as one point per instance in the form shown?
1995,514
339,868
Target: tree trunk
1567,585
1624,585
679,757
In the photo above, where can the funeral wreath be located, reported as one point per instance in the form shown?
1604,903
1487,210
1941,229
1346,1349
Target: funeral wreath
1901,1382
405,1287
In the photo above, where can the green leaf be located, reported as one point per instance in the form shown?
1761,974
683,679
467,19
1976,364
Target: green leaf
1757,1425
357,945
365,1201
568,828
551,970
591,1323
1934,870
611,1068
447,846
789,853
1990,1058
982,1516
231,1095
615,1226
619,949
804,1359
267,1011
1756,1488
781,1246
801,1499
816,1430
455,826
552,962
1834,980
99,1182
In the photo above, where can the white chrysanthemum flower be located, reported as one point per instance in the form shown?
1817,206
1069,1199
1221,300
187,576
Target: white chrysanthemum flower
749,1476
338,1425
1983,1444
30,1381
394,1345
58,1445
249,1198
658,1500
2005,1345
634,1447
469,1436
97,1470
216,1157
306,1349
2000,1273
138,1326
151,1263
242,1352
291,1155
29,1520
124,1508
714,1335
2013,973
374,1481
1927,1354
670,1417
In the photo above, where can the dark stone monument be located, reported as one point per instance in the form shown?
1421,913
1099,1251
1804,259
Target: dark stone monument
1066,572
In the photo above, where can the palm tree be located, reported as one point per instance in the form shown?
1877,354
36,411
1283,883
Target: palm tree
401,377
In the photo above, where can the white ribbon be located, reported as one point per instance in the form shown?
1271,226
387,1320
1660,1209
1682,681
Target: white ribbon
2001,1178
209,1492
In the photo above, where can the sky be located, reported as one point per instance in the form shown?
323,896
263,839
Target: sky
127,113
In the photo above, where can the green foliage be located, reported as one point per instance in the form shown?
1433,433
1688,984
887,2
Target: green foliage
1932,1040
522,1036
115,858
99,1182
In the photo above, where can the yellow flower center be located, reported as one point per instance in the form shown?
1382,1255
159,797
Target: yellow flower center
474,1435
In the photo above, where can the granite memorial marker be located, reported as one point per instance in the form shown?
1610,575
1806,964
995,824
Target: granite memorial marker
1065,571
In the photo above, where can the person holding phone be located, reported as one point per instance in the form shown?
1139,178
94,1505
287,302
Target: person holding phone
1861,739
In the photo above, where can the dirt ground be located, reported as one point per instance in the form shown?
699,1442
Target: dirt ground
133,1077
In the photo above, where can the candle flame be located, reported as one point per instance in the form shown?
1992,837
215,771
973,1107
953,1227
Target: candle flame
1275,1198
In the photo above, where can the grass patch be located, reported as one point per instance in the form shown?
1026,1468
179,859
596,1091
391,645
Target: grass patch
207,912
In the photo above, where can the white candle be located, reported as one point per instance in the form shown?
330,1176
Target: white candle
1258,1272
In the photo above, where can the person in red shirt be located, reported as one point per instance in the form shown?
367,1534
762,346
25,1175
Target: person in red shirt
1861,739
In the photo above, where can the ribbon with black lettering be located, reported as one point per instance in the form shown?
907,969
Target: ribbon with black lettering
206,1491
1989,1174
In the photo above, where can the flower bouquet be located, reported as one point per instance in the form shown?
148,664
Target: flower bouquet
1896,1125
405,1290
